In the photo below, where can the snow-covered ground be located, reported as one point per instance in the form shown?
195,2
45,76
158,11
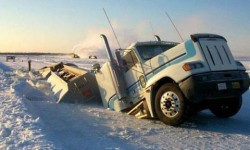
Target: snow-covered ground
30,118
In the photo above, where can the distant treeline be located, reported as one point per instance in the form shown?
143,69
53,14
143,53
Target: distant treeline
34,53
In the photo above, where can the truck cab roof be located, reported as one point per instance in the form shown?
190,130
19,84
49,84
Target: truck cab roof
148,43
149,49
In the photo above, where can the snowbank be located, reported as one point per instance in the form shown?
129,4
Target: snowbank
18,129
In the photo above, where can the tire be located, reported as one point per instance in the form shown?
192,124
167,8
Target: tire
227,108
170,105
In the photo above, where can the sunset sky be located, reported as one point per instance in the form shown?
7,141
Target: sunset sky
75,25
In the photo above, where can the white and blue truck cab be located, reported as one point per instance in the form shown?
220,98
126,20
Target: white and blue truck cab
171,81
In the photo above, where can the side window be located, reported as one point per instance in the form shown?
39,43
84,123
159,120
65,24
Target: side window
130,60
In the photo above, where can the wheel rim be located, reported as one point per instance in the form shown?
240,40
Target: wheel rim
170,104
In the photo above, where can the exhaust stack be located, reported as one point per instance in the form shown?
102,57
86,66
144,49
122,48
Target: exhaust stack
118,77
110,56
157,38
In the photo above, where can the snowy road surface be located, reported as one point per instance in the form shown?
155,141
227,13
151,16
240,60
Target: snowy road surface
30,119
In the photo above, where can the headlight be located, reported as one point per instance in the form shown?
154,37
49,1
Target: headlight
240,66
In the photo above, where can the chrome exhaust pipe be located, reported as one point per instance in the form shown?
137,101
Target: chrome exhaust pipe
157,38
118,81
110,56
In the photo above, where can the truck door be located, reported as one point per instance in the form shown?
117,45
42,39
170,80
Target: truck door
133,71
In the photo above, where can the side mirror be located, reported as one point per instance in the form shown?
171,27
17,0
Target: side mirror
96,67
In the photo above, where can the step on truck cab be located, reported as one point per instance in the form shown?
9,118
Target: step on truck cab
171,81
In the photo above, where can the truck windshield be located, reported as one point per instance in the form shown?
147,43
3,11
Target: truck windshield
149,51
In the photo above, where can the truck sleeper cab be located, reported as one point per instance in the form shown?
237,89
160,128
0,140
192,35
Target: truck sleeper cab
170,81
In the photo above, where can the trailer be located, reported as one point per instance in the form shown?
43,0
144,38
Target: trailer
71,84
159,79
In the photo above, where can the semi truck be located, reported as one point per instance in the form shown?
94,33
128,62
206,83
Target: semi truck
160,79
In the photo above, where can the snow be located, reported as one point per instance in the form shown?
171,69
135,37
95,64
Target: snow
31,119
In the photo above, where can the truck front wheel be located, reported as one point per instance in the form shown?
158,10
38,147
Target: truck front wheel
227,108
170,104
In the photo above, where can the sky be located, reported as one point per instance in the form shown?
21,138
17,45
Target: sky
75,25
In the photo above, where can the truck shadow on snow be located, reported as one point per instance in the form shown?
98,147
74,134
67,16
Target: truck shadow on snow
238,124
206,121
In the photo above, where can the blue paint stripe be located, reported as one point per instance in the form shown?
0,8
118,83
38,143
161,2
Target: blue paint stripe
165,65
111,102
190,52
